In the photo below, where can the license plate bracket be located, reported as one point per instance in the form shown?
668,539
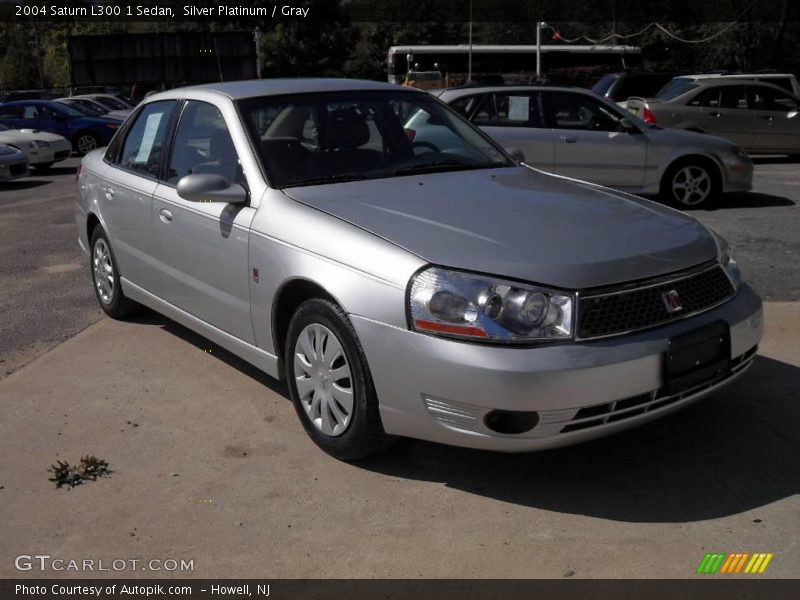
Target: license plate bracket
697,357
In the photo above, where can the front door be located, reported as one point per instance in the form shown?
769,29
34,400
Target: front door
591,144
203,247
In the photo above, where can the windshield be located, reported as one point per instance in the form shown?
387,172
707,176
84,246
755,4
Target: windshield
110,103
675,88
65,109
310,139
89,112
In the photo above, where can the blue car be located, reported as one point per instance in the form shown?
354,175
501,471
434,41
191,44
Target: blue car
86,133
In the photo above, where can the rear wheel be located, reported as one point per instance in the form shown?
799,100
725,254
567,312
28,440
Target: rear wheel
330,383
105,277
85,142
690,184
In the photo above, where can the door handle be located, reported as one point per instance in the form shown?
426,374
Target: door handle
109,191
165,215
569,139
768,118
714,114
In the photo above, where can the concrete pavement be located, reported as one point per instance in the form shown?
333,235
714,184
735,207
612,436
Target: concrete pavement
211,465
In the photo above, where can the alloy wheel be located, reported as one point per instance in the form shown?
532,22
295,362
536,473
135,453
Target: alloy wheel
86,143
691,185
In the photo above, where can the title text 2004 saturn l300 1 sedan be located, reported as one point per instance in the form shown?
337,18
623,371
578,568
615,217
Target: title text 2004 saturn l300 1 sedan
403,289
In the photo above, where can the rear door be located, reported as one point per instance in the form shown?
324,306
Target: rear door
591,144
777,120
131,179
725,112
514,119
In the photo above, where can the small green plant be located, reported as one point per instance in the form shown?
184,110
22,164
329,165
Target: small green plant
89,468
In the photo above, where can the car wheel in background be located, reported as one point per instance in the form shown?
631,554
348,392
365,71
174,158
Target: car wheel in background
85,142
330,383
689,184
105,277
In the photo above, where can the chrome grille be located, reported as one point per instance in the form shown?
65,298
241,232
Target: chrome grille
613,312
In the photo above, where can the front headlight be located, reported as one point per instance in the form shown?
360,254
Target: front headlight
41,144
468,306
727,261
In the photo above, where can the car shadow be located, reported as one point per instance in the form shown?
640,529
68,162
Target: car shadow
744,200
147,316
53,171
775,160
731,453
21,184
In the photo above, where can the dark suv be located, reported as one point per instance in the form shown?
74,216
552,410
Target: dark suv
618,87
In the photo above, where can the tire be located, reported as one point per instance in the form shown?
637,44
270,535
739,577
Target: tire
690,184
339,414
105,278
42,167
85,142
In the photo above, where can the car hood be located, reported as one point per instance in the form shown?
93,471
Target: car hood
34,134
520,223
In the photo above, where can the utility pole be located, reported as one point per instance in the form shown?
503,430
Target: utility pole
469,67
539,25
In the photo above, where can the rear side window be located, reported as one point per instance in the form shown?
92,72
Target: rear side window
517,110
141,151
783,82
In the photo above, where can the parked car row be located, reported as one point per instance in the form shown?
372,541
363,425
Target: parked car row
572,132
85,132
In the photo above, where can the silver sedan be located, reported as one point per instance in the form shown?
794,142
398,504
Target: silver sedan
402,289
572,132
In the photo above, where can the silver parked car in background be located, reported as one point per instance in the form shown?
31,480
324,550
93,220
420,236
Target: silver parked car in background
572,132
403,289
759,117
13,163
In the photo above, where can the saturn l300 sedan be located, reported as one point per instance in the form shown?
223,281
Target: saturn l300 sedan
402,289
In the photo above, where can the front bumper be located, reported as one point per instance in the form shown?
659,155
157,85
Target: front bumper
441,390
737,174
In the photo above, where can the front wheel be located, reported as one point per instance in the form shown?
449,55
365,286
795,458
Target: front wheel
85,142
330,383
689,185
105,278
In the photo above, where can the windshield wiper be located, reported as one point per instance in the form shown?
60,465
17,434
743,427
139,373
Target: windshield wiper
337,178
437,166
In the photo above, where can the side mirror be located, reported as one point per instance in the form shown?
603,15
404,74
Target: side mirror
210,188
517,154
628,125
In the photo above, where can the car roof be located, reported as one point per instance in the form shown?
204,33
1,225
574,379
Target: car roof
717,82
467,90
276,87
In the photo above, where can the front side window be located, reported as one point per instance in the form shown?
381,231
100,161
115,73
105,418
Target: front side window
309,139
141,150
577,111
203,145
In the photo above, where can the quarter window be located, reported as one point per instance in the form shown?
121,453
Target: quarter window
203,145
141,151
